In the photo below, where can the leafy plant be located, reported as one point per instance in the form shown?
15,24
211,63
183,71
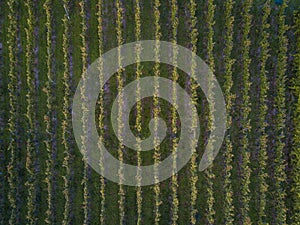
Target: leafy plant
230,97
296,150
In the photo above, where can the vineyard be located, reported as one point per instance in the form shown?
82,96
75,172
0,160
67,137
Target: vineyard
251,46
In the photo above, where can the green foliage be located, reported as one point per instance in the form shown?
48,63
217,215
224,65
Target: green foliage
175,200
66,124
156,111
48,118
85,179
47,50
228,155
193,167
209,175
296,137
262,116
280,120
120,73
245,112
31,118
12,121
138,120
101,107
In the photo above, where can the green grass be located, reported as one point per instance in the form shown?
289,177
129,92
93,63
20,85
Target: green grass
110,41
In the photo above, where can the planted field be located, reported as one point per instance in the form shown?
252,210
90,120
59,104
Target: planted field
253,49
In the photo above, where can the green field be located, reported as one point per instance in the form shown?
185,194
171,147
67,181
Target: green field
253,48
